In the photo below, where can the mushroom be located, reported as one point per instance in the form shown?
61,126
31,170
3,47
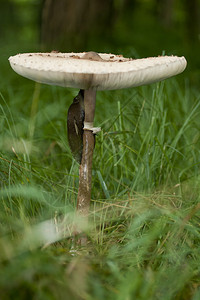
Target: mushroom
90,72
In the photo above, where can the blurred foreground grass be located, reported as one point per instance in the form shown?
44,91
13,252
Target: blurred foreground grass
144,235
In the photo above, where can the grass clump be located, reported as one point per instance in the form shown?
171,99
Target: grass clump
144,220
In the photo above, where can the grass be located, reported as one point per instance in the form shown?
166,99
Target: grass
144,220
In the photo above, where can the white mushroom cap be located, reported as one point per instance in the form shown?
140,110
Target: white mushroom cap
112,72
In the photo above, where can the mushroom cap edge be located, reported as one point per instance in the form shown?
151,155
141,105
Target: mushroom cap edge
63,69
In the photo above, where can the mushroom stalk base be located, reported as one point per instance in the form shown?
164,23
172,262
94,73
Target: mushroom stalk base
85,173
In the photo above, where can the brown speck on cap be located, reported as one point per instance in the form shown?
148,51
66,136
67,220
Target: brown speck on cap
75,56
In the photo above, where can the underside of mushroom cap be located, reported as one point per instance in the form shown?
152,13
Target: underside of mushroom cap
112,72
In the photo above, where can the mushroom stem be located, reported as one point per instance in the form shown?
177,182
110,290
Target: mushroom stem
89,104
85,171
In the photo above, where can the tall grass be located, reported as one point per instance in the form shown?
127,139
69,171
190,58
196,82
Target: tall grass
143,234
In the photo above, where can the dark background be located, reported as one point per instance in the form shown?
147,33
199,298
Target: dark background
136,28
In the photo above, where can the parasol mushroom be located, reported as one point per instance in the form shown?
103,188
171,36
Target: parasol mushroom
90,72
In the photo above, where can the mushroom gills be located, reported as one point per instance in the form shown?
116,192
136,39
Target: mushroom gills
75,124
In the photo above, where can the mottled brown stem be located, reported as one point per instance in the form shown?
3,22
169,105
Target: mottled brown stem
89,104
85,171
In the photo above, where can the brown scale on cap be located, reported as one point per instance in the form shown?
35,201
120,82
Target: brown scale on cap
92,56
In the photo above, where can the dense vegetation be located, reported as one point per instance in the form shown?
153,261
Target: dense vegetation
144,231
